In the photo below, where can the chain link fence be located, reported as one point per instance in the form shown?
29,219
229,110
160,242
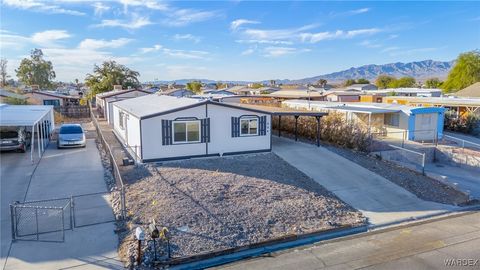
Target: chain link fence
43,220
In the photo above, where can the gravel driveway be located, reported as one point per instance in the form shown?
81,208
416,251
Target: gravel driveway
218,203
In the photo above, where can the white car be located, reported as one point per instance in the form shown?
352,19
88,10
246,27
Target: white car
71,135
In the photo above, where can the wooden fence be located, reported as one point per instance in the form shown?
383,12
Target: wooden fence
73,111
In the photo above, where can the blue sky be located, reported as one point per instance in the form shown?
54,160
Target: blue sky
234,40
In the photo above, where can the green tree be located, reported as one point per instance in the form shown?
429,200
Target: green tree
433,83
362,81
107,75
383,81
465,72
15,101
36,70
256,85
349,82
402,82
195,87
322,82
3,72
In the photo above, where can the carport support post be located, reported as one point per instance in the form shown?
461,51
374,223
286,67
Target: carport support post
318,130
32,143
38,139
296,125
40,128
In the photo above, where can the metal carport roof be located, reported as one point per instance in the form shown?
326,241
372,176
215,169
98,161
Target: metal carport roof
22,115
359,109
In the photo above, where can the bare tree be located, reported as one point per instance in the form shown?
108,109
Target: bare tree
3,72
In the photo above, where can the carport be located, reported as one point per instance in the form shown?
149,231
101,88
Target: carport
38,119
362,110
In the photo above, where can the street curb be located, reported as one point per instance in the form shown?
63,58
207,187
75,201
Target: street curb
255,252
328,238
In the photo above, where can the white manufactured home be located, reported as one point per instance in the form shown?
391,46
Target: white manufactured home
159,128
105,100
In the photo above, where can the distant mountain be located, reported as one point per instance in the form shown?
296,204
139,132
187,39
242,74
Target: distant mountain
418,70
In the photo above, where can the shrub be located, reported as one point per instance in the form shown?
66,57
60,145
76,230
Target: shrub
466,123
333,129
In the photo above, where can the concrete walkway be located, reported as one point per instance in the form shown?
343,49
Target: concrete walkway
377,198
60,174
465,179
422,246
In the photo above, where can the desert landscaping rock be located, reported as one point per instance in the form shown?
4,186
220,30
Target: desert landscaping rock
219,203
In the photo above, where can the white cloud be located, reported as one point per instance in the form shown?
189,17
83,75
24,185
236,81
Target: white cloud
100,8
151,4
135,23
281,51
248,51
317,37
234,25
350,12
155,48
181,54
94,44
372,44
40,6
276,34
45,38
183,17
257,41
49,37
397,51
189,37
357,11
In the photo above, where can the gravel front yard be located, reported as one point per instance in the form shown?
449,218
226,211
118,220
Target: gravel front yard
219,203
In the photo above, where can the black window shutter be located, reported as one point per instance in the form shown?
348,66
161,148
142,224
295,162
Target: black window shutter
166,132
263,126
205,130
235,127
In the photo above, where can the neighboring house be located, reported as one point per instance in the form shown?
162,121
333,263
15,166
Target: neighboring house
297,94
343,96
472,91
52,98
460,106
362,87
392,120
159,127
105,100
407,92
6,95
177,93
219,92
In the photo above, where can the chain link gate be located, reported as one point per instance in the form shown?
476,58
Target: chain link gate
43,220
91,209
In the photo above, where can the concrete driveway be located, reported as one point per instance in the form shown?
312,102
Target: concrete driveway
464,179
59,174
377,198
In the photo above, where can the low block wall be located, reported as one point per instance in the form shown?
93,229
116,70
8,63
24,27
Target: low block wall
462,157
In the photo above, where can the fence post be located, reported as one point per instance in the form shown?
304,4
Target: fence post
72,213
12,217
63,225
36,221
423,163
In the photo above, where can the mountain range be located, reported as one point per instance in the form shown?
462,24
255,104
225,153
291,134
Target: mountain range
420,70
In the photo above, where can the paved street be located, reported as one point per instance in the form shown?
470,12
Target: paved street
379,199
423,246
60,173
